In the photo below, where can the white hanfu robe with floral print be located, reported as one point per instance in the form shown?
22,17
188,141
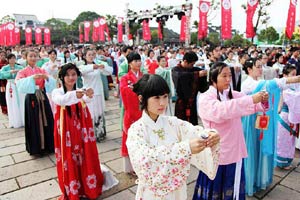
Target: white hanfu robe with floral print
161,156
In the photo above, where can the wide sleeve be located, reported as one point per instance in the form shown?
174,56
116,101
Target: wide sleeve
220,111
107,70
207,160
50,84
25,84
123,69
5,73
129,99
64,99
162,168
85,69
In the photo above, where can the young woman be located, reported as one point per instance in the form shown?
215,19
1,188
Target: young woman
78,167
130,103
35,82
14,104
288,128
221,108
261,146
151,63
166,74
91,75
162,148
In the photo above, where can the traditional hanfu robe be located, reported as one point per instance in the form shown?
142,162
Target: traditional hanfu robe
2,90
131,111
161,156
78,166
152,65
15,104
187,85
38,113
224,115
259,164
92,79
52,69
166,74
287,130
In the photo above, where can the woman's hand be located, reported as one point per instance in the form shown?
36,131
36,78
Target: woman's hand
260,97
197,145
213,139
89,92
79,93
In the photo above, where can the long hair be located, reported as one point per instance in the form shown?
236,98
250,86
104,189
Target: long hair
214,72
61,75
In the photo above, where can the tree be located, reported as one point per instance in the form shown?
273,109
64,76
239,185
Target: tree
112,21
268,35
214,38
262,13
6,19
59,29
237,40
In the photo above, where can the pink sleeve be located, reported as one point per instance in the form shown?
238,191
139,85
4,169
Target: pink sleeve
21,74
220,111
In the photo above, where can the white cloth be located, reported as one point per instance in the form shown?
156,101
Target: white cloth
160,155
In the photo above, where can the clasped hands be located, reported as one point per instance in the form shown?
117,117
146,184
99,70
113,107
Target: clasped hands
199,144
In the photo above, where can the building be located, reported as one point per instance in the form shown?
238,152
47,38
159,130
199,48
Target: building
24,20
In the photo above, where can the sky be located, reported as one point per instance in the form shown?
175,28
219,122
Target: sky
70,9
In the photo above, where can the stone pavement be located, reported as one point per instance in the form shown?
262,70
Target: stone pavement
25,177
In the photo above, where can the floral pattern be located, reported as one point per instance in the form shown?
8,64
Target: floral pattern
161,156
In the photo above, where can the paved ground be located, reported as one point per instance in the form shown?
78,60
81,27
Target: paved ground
27,177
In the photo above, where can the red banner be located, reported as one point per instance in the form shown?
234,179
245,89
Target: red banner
95,31
251,7
2,34
87,26
38,36
17,35
120,29
203,24
160,36
183,28
80,34
28,36
146,31
290,22
47,36
10,34
4,30
107,31
226,19
102,23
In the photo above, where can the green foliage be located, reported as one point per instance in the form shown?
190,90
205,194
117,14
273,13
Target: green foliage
214,38
268,35
6,19
237,40
59,30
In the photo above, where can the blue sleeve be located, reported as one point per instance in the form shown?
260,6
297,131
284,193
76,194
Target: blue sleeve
26,85
50,84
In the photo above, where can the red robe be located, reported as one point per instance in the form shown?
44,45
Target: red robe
131,106
152,65
78,167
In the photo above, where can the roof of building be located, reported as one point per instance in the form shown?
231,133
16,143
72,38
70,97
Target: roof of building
25,17
67,21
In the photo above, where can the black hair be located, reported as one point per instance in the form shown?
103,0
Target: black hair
52,51
148,86
133,56
288,68
10,56
214,72
61,75
125,48
249,64
160,57
190,57
65,58
150,50
277,56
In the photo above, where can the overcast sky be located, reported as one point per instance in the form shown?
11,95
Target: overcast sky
46,9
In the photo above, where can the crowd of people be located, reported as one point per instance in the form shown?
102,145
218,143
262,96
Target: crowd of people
245,98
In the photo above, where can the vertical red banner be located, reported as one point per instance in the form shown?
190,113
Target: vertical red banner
80,34
226,19
87,26
17,35
28,36
38,36
47,36
102,23
183,28
120,29
1,35
251,7
146,31
95,31
5,34
290,22
203,24
10,34
160,36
